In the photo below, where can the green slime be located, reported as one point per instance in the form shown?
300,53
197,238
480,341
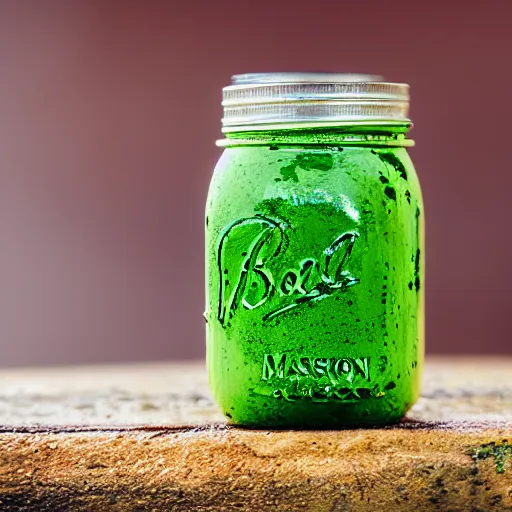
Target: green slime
314,279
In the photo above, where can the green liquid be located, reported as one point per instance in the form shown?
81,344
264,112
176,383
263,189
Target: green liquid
314,284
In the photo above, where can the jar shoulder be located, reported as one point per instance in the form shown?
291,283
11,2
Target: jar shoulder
244,175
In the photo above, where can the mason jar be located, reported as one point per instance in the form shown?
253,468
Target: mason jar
314,254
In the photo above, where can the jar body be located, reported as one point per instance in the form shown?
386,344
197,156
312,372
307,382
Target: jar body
314,285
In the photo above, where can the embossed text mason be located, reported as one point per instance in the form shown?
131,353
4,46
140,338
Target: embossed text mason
314,253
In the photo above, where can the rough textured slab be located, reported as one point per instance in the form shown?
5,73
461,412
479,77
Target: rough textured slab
150,438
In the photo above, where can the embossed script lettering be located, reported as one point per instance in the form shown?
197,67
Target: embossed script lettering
245,251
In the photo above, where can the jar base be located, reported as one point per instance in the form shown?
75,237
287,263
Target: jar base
327,416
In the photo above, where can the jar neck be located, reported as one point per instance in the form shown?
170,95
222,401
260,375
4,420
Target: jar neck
353,135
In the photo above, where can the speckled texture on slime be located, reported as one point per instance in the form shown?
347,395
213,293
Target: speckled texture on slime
314,266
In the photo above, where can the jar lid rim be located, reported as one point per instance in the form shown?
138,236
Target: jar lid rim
259,99
296,77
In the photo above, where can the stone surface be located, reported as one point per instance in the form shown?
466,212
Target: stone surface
150,438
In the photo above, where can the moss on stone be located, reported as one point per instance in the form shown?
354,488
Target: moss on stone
501,452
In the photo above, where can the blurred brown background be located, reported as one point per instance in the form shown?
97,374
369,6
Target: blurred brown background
109,111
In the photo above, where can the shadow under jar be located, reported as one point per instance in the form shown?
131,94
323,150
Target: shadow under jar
314,254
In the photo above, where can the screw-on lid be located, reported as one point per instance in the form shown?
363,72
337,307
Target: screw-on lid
261,101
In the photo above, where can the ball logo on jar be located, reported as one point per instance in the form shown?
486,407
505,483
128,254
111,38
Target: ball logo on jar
246,250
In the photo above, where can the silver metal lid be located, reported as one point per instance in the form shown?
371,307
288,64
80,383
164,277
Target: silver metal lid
262,101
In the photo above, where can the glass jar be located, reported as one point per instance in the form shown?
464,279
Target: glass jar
314,254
